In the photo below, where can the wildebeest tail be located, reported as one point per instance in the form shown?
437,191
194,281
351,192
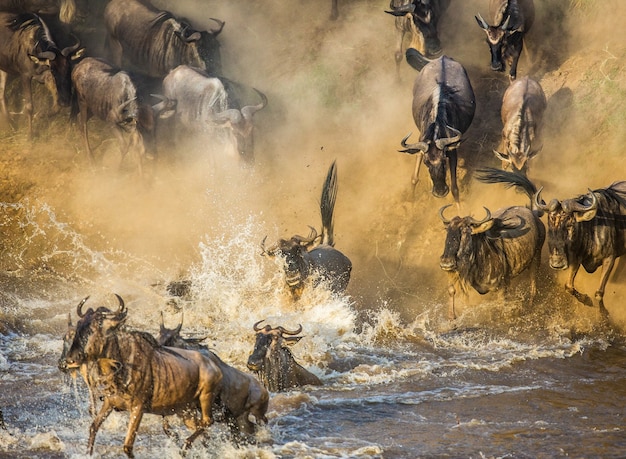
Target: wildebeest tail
327,204
510,179
74,109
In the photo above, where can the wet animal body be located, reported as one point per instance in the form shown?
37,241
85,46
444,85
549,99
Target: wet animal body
486,254
139,376
443,109
272,360
315,255
589,231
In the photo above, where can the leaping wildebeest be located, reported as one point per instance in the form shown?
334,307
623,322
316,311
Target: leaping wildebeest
155,42
109,94
443,109
512,19
202,102
314,257
239,394
139,376
486,254
523,106
419,19
272,360
587,230
29,51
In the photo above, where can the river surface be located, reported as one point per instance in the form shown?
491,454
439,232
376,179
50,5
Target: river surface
524,388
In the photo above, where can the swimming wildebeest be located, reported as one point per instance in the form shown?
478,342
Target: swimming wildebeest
587,230
139,376
512,19
486,254
443,109
306,258
273,361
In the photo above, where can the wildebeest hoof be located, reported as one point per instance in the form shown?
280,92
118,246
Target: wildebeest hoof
581,297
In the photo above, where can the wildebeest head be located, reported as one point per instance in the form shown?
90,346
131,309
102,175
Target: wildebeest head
293,252
496,38
209,48
240,123
459,232
564,225
424,17
171,337
435,157
91,334
269,343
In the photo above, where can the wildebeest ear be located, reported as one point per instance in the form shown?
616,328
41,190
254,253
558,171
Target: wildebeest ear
291,340
585,216
482,227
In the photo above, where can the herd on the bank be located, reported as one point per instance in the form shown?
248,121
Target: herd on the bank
155,56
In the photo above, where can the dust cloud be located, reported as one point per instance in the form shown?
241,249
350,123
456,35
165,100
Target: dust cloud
334,94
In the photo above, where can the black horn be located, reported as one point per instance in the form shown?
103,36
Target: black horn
480,222
284,331
79,308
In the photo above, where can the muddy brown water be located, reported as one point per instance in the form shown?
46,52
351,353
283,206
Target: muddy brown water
510,380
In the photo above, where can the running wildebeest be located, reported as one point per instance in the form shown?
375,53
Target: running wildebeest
109,94
419,19
523,106
203,102
588,230
29,51
512,19
273,361
486,254
443,109
306,258
139,376
155,42
239,394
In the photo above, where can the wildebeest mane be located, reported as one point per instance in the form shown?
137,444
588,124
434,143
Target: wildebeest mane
444,114
616,192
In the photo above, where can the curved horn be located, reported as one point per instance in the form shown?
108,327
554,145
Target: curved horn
306,240
481,22
400,10
539,203
443,143
284,331
220,26
413,147
444,219
79,308
67,51
162,325
480,222
502,156
69,319
122,308
125,104
250,110
505,24
573,206
256,327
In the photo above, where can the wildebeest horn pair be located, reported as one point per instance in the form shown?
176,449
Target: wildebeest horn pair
121,309
472,219
282,330
569,205
235,116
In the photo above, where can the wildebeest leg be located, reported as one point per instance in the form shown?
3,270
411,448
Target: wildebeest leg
418,164
49,83
569,287
28,103
607,268
4,112
169,432
452,161
451,308
83,117
401,29
136,413
105,410
514,60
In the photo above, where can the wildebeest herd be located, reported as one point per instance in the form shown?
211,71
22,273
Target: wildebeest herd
132,371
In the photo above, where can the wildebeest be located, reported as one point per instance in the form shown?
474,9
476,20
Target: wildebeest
512,19
64,9
139,376
588,230
155,42
109,93
419,19
305,258
443,109
486,254
523,106
273,361
30,52
239,394
203,102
